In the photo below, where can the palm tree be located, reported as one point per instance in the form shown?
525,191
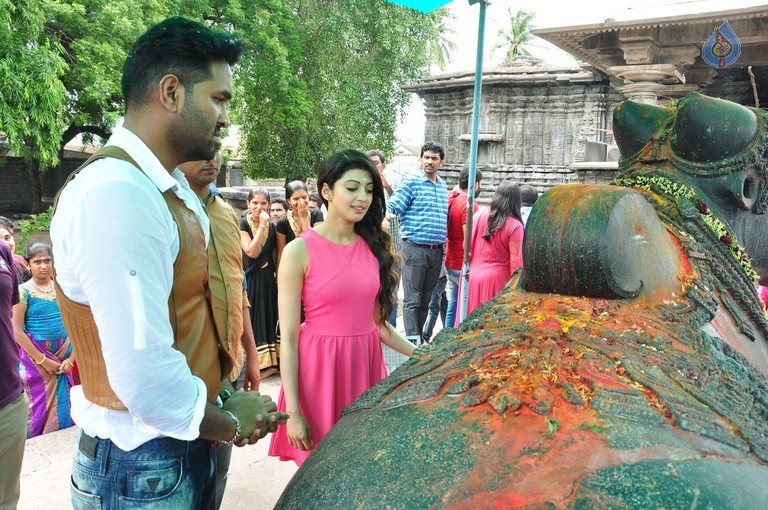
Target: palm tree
441,47
518,36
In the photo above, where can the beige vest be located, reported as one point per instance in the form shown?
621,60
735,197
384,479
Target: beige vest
225,277
189,308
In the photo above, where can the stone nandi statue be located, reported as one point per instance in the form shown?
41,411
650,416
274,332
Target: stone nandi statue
624,366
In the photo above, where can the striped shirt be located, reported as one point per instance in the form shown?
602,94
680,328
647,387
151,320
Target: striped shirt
422,206
395,179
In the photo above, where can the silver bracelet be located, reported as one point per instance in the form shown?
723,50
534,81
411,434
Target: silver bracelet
238,429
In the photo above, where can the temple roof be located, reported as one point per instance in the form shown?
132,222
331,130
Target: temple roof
522,71
600,43
665,50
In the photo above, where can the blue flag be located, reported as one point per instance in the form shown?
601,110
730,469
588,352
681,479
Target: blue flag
422,5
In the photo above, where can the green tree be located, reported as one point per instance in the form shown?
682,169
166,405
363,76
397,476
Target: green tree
71,81
349,60
442,46
31,92
59,71
315,76
95,37
517,36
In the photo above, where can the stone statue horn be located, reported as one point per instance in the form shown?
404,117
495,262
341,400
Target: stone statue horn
694,138
634,124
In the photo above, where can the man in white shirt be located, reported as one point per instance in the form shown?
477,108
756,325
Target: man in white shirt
151,361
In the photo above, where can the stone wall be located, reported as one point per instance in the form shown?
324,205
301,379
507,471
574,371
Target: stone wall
535,122
17,188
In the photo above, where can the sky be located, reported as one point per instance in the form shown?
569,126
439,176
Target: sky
554,13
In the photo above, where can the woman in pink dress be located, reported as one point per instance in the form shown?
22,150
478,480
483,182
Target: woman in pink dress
497,245
342,271
763,291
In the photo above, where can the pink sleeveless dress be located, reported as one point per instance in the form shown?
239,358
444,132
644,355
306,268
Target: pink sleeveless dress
339,350
491,265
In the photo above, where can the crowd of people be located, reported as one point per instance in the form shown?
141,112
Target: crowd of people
432,228
207,302
175,307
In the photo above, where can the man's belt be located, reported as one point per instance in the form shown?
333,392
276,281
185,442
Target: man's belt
426,246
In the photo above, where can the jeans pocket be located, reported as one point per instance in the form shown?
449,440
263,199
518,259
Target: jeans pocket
153,481
409,255
82,500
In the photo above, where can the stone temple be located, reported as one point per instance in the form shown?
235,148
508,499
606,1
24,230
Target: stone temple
549,125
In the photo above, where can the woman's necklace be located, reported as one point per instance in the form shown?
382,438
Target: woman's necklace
41,291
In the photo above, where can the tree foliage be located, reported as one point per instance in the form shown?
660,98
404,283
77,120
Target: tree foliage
95,36
346,62
70,82
442,46
32,95
315,77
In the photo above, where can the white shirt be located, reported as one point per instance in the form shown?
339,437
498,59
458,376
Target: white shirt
114,244
524,212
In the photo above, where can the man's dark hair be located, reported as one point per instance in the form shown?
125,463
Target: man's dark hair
376,152
281,201
5,222
177,46
464,177
528,194
433,147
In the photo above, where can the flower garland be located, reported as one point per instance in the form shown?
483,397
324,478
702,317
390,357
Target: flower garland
664,186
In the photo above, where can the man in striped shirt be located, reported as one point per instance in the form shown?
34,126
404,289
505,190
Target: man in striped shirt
421,203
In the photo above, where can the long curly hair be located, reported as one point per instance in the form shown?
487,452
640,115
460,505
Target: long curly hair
506,202
369,228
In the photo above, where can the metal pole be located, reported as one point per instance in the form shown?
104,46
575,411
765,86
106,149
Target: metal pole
464,280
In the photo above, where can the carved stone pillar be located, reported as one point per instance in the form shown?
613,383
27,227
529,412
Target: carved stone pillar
644,83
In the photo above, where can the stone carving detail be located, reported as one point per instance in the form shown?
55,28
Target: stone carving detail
625,366
638,50
532,117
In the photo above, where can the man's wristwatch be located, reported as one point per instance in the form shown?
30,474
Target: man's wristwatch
238,429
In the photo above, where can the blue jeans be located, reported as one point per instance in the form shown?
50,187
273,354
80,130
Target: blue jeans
164,473
452,293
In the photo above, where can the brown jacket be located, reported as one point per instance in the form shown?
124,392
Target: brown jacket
189,309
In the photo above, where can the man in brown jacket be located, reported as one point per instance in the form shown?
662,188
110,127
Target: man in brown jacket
130,242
